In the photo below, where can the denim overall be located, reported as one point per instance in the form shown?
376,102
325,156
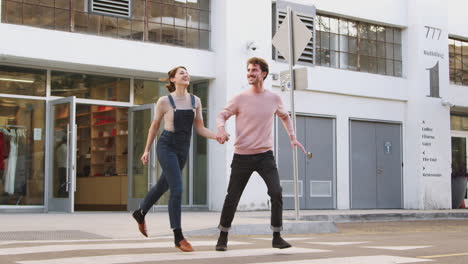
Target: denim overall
172,150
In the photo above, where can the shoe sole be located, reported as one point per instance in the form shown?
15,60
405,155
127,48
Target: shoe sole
142,228
281,247
221,249
184,250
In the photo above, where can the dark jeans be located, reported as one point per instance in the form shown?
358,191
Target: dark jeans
242,168
172,154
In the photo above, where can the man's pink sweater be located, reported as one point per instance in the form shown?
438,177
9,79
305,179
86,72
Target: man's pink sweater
254,120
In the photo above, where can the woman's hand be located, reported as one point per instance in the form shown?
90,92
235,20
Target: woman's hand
203,131
144,158
222,136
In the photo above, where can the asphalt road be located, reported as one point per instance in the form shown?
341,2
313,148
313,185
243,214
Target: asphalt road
357,243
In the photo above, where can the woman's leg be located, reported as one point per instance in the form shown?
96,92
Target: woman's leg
154,194
170,165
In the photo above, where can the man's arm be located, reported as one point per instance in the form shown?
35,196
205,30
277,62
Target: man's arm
229,110
287,123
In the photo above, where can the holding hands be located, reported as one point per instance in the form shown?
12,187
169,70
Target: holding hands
222,136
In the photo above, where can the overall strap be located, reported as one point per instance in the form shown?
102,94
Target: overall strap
192,97
172,102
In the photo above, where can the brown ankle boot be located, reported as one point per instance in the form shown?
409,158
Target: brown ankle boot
185,246
140,218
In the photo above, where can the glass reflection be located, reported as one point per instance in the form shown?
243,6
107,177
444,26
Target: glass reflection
22,81
90,86
22,125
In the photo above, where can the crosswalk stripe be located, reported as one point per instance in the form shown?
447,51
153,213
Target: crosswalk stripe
136,245
157,257
337,243
400,247
287,239
381,259
11,242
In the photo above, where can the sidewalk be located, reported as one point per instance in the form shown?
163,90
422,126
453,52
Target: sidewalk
120,225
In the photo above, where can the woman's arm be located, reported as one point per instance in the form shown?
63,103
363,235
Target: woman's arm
153,130
202,130
199,124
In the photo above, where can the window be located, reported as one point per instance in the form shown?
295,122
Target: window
458,61
358,46
147,92
90,86
48,14
348,44
22,81
22,146
459,122
184,23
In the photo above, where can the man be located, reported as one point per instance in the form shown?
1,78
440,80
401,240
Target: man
254,110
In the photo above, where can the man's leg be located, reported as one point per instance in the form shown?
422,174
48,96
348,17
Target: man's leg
240,175
269,173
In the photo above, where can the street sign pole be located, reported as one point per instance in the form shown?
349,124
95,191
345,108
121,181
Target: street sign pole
290,40
293,112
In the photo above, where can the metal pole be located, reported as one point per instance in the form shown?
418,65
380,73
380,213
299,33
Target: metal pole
293,112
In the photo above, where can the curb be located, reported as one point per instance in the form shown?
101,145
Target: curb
384,217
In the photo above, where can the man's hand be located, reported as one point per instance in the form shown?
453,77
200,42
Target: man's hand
144,158
222,136
295,143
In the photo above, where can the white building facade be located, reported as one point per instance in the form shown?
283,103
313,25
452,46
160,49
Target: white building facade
385,111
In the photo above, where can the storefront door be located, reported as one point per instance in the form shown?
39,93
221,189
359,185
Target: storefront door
140,177
376,165
61,159
316,176
459,166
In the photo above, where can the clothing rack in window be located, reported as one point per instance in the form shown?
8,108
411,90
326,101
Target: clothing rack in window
21,130
15,133
8,126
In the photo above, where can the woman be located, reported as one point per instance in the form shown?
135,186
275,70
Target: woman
179,110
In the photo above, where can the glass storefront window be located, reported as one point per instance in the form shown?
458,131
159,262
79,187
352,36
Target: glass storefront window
90,86
147,92
22,143
22,81
100,129
200,153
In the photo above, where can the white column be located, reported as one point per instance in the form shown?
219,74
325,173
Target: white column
427,149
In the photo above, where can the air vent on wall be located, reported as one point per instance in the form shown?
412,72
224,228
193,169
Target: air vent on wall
111,7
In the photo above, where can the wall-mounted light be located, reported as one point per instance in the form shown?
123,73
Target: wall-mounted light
444,102
252,45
